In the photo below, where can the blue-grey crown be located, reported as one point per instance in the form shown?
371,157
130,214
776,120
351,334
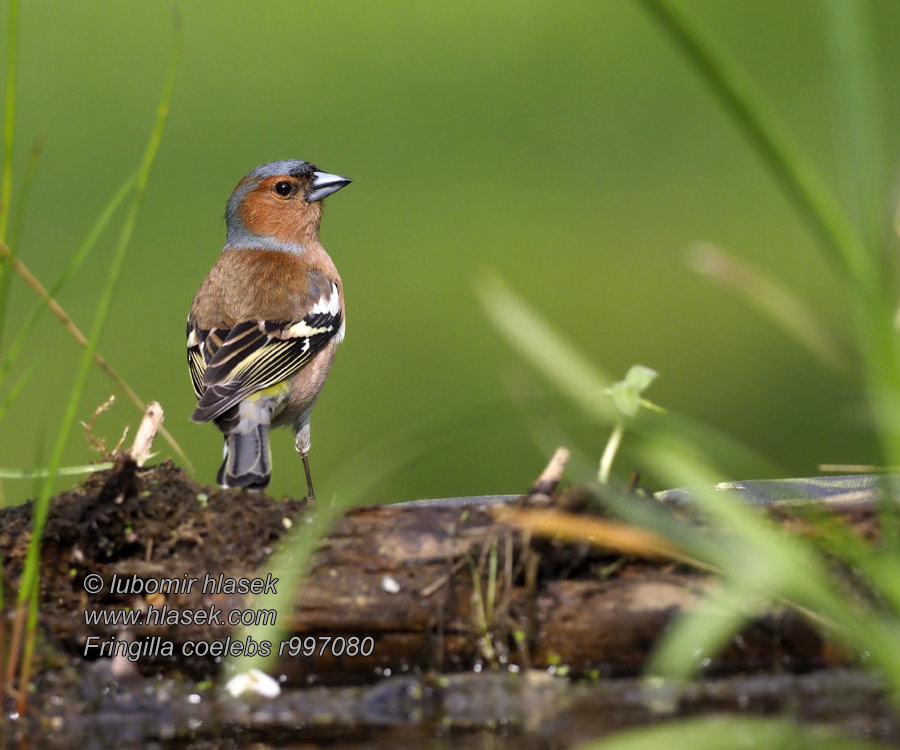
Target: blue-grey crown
293,167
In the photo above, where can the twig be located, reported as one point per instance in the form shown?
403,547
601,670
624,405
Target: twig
20,268
99,443
146,434
857,469
438,583
549,478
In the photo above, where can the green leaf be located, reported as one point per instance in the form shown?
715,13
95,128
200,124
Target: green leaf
640,377
731,732
626,394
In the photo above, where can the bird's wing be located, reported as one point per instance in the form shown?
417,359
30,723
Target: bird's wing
228,366
198,346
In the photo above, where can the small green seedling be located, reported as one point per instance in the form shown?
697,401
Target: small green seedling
626,395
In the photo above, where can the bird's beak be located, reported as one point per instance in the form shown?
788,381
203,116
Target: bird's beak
325,184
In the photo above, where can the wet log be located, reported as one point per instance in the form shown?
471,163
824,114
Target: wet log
562,606
436,585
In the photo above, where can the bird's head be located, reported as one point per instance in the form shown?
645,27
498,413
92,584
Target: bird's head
279,204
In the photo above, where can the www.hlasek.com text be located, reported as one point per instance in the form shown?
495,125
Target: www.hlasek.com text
174,616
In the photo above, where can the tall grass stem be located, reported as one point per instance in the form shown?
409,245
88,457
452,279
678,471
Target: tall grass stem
42,503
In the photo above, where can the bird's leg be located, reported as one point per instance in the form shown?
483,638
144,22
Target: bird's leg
311,496
301,443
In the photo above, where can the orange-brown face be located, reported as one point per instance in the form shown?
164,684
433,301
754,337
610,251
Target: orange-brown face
279,204
278,208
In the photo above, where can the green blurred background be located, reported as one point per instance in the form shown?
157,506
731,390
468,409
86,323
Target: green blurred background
566,146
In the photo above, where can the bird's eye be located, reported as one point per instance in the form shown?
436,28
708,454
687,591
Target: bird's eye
283,188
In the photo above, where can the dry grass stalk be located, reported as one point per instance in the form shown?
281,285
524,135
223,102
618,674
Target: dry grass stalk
20,268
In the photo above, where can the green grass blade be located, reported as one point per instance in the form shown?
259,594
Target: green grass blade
30,644
9,129
40,458
701,633
548,352
772,300
62,471
855,77
734,733
18,221
13,393
856,92
879,567
771,139
9,120
42,504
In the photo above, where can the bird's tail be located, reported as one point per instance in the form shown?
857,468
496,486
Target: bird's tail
248,459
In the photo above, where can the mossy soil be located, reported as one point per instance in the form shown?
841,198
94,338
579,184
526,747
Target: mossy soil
154,522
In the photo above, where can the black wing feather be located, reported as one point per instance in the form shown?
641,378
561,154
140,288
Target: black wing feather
252,356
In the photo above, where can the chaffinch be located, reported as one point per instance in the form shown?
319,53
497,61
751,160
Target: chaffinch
266,321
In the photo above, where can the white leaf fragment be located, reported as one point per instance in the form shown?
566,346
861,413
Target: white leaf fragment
253,681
